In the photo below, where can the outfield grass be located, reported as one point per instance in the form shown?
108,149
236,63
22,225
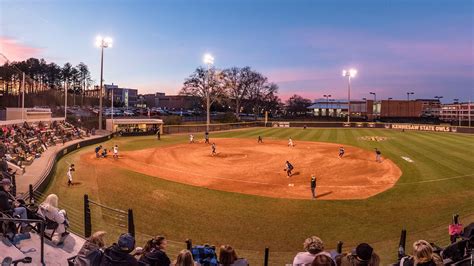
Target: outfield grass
439,183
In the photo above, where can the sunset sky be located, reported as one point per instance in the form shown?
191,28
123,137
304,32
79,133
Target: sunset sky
425,46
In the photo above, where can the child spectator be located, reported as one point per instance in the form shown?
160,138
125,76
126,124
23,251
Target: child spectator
91,252
228,257
185,258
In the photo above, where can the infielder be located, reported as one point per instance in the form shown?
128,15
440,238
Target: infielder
260,140
191,138
115,152
213,147
313,185
69,175
290,143
378,156
288,168
206,137
97,151
341,152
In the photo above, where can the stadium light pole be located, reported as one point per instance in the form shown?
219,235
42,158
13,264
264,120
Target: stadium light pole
458,111
374,110
208,59
408,101
349,74
388,105
102,43
439,106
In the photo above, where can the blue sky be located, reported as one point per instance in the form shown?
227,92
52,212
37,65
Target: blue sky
425,46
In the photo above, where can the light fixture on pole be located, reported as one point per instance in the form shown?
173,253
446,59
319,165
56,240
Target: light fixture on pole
208,59
349,74
102,43
438,109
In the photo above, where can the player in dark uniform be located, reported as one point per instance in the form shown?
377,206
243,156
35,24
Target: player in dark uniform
341,152
213,147
97,151
313,185
288,168
378,155
206,137
260,140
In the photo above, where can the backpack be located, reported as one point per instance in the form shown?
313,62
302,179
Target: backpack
205,255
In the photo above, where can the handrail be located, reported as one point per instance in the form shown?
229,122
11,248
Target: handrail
108,208
42,227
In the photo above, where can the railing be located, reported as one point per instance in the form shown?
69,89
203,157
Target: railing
42,228
119,218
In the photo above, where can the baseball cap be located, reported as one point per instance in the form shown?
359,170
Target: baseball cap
6,181
364,251
126,242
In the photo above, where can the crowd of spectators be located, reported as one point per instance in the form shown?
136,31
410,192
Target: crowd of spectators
21,144
95,253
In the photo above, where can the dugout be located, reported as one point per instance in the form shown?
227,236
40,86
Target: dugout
134,127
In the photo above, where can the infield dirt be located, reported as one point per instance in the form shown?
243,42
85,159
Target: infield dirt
244,166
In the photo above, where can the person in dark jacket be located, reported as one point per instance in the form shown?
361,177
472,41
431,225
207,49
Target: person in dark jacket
119,253
91,252
13,208
154,252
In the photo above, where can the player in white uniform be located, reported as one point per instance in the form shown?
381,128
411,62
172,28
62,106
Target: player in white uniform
115,152
290,143
191,138
69,175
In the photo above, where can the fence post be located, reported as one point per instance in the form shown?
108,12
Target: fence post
32,196
14,185
339,247
189,244
265,260
401,246
131,224
87,217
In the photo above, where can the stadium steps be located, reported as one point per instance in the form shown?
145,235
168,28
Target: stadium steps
52,255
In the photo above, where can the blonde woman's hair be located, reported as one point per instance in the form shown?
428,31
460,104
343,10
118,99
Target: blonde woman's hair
185,258
98,238
313,245
423,252
50,202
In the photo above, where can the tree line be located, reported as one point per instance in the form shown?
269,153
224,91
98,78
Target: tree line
43,76
240,89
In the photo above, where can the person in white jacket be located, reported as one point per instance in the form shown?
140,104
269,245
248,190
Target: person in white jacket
49,209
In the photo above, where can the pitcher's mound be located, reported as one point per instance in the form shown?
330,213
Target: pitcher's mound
243,166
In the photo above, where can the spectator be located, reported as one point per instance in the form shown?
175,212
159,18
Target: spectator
12,209
49,210
185,258
228,257
119,254
91,252
423,255
154,252
313,246
322,259
363,256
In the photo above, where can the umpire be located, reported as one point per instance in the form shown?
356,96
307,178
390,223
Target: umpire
313,185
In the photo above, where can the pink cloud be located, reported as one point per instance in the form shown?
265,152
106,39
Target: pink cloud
14,50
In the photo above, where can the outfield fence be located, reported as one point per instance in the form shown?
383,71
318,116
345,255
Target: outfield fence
194,128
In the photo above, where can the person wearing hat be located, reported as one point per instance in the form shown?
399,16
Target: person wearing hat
313,246
363,255
12,209
119,253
